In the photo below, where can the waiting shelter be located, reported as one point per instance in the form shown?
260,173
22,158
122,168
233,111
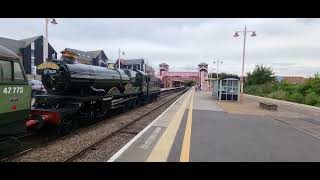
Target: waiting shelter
227,89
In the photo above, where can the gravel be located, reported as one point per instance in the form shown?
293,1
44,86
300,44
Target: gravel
104,150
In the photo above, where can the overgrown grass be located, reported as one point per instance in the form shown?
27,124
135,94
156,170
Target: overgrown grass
305,93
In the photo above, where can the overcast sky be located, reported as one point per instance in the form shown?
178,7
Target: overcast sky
289,46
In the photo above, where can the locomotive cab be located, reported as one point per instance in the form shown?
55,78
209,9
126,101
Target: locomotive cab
15,96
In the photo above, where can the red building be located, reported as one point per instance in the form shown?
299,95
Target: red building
173,79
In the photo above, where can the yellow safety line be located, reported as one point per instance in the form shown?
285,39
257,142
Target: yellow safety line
162,149
185,151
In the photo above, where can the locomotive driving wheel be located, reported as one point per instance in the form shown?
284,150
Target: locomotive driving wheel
66,126
90,112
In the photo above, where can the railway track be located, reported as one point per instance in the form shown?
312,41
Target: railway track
31,141
79,153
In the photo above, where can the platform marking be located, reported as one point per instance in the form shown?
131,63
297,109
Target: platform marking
162,149
125,147
151,138
185,151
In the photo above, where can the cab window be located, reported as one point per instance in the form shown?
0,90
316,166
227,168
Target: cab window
18,74
5,71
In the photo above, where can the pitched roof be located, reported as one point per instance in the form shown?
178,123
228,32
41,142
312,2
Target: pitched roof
87,55
5,52
94,54
163,64
131,61
16,45
82,54
13,45
28,41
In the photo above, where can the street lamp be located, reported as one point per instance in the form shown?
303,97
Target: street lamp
218,62
45,44
119,58
243,55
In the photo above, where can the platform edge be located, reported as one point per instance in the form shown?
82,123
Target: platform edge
126,146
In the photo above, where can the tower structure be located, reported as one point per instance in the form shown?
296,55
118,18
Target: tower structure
203,76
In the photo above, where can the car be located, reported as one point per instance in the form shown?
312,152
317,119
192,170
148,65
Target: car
37,87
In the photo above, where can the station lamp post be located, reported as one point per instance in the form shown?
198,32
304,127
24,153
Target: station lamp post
46,43
243,55
218,62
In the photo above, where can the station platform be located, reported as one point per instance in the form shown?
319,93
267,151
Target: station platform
196,128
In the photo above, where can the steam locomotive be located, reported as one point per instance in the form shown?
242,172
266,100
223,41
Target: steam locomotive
80,94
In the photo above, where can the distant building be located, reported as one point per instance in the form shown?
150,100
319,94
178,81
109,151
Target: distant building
150,70
31,52
163,67
291,79
134,64
97,58
172,79
203,76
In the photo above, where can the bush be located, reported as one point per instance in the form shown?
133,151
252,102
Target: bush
279,94
312,99
307,93
296,97
260,90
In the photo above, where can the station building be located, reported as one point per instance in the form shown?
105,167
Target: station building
134,64
97,57
30,50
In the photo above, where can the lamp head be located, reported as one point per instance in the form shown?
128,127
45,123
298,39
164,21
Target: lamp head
54,21
236,34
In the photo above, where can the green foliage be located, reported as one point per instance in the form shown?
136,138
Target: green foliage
190,83
263,89
260,75
223,75
296,97
307,92
279,94
312,99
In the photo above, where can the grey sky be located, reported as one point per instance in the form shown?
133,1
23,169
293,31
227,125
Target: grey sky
289,46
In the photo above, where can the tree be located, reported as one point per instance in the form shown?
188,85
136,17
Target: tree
260,75
190,83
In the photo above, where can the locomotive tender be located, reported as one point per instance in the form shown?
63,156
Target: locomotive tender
80,94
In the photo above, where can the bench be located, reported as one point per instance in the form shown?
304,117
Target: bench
268,106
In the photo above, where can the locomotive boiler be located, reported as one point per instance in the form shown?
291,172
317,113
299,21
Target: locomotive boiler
66,76
81,94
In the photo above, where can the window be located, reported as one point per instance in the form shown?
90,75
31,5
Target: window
32,46
5,70
18,74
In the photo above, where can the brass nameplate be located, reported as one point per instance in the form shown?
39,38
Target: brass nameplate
48,65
